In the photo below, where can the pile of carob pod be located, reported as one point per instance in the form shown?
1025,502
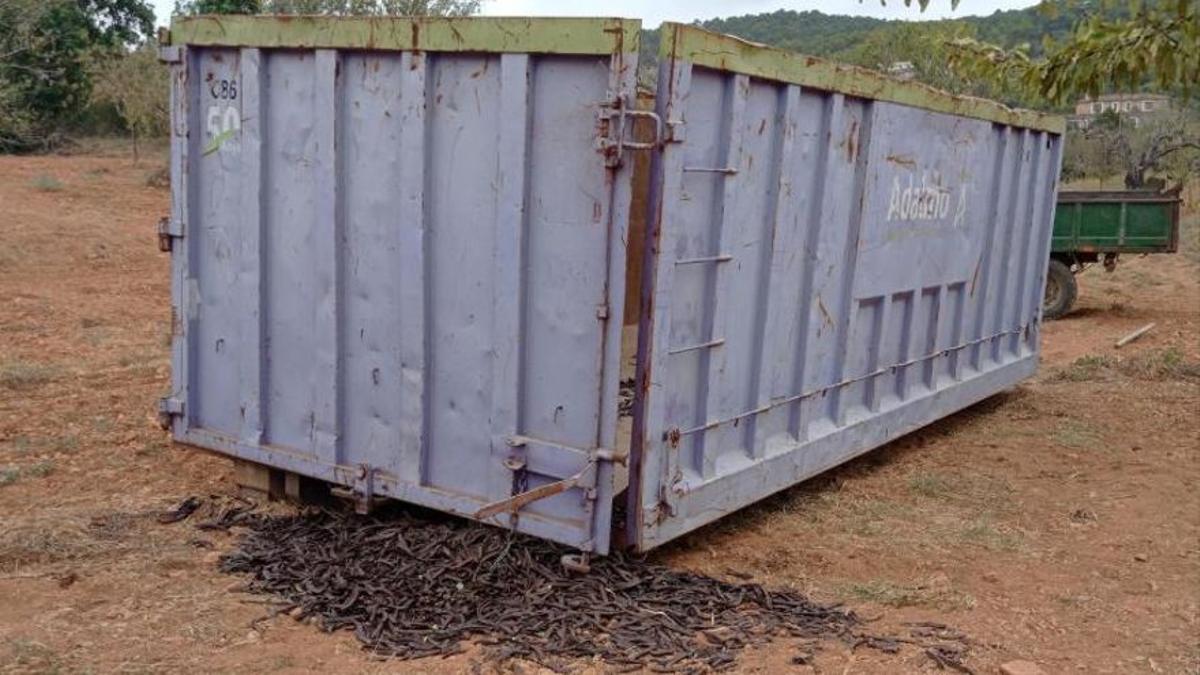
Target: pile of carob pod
410,585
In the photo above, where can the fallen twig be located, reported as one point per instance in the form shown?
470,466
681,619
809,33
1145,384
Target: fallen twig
1135,335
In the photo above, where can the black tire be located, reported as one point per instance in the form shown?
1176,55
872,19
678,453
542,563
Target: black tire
1061,290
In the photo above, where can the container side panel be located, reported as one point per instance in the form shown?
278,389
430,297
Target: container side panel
781,289
249,274
1010,266
906,254
992,213
650,468
464,95
375,116
397,273
184,106
293,250
508,265
751,139
1042,243
814,171
217,238
824,347
565,297
1030,245
693,240
326,358
567,221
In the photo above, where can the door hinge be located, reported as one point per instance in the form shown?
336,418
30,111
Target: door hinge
614,125
168,231
169,408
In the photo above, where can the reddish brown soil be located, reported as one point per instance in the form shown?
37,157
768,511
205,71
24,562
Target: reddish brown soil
1058,522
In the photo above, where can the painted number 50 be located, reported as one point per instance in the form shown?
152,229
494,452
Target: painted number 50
223,121
223,125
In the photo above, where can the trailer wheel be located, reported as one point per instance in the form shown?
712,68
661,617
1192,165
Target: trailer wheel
1061,290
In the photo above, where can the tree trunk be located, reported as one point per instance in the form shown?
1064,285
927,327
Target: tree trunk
1135,177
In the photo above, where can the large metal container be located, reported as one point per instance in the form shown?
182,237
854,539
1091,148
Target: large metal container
396,248
838,258
399,259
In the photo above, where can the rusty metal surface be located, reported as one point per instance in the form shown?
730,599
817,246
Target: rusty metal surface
726,52
403,271
390,264
826,272
479,34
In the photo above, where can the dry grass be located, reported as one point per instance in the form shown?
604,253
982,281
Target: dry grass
11,474
30,656
46,183
936,593
1085,369
928,484
1075,435
23,375
1159,364
117,146
1154,364
52,536
39,541
984,532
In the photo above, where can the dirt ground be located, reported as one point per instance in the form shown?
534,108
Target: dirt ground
1058,522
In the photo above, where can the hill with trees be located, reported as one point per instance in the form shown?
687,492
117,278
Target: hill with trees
877,43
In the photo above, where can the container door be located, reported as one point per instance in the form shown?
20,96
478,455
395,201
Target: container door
399,257
827,269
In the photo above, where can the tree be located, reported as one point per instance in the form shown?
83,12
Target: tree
136,84
1156,42
116,23
1163,148
924,45
1121,47
45,46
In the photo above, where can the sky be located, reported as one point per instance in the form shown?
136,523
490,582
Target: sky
654,12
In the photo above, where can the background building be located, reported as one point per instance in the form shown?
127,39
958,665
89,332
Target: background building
1135,107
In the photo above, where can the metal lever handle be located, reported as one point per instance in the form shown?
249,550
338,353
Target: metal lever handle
514,503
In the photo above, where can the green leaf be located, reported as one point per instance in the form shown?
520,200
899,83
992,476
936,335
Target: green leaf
217,141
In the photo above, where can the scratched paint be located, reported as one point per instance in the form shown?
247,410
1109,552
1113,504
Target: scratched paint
877,254
399,264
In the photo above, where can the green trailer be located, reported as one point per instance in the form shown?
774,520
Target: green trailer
1098,226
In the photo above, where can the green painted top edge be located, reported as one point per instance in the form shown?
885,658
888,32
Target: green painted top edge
725,52
435,34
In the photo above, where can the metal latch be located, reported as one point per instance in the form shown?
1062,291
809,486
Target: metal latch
169,408
168,231
585,477
361,490
614,125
